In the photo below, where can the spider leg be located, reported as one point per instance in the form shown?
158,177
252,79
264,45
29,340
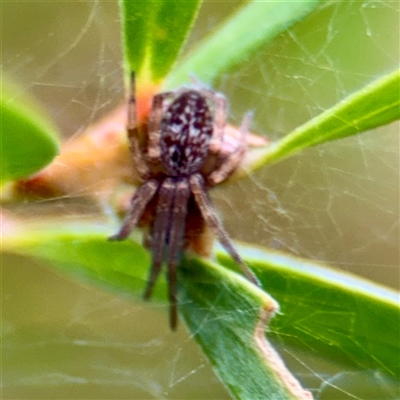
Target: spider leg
159,233
132,129
234,159
198,189
138,204
155,118
221,110
176,233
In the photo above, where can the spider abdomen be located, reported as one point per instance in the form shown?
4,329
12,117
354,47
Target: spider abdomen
186,130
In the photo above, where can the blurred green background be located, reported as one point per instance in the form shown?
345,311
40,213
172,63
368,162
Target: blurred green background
337,203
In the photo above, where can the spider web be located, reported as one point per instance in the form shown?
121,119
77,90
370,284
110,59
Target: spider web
337,203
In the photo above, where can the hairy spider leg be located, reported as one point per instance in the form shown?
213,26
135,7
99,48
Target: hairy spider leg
132,129
234,159
138,204
159,232
156,114
198,189
176,234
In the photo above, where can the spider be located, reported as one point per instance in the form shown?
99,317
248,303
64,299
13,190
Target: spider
183,157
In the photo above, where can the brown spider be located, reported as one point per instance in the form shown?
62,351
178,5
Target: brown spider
184,129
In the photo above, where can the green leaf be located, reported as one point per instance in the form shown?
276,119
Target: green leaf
154,33
227,316
374,105
238,38
82,250
28,139
341,317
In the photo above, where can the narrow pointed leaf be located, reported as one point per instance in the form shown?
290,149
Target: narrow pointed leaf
28,139
372,106
251,27
154,33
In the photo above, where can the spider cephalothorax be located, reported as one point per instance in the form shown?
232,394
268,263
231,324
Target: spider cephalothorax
185,132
